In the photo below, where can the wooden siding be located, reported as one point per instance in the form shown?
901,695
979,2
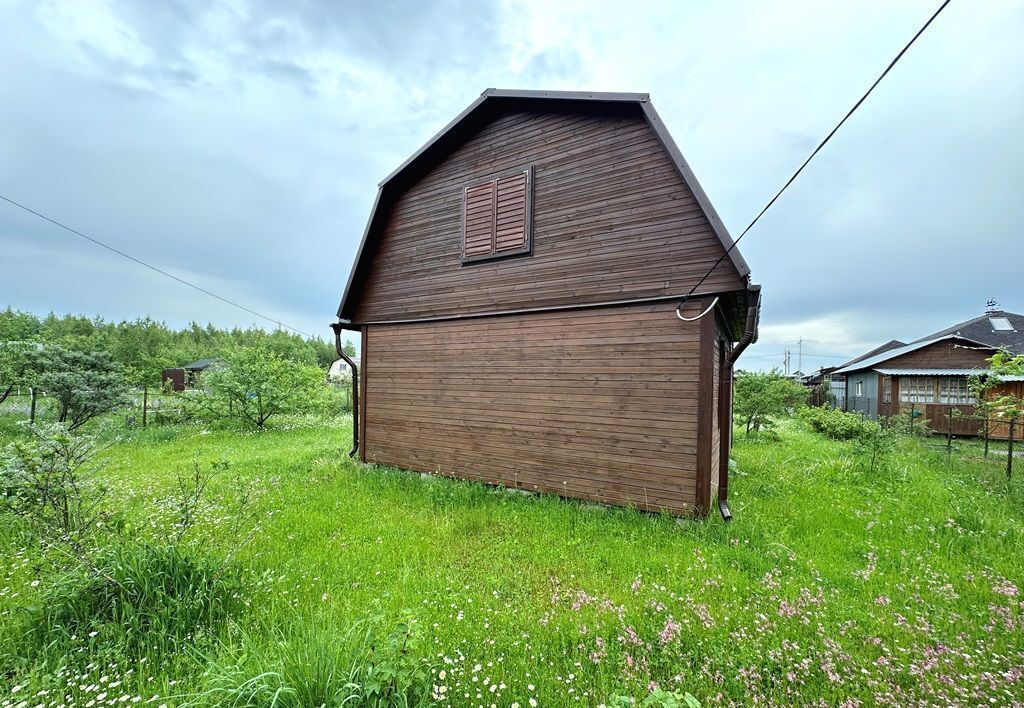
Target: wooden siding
612,220
941,355
1001,430
716,433
598,404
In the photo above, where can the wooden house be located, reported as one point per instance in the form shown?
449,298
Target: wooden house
929,376
516,294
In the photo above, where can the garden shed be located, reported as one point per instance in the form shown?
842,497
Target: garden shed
518,292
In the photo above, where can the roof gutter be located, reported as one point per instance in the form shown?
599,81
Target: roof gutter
725,383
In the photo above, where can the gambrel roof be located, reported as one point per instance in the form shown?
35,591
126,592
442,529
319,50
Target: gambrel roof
490,104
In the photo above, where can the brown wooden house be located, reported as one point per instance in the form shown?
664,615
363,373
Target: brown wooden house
516,292
929,376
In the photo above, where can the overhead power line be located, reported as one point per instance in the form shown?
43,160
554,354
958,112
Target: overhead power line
142,263
820,146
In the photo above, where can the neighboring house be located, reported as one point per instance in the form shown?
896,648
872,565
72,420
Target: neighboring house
340,371
188,376
929,376
824,385
516,293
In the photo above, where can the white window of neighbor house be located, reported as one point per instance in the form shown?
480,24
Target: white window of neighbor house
954,390
859,390
917,389
1001,324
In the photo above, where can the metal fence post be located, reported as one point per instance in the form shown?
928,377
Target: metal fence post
1009,451
32,408
145,404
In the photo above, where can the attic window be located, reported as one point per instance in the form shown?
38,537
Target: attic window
496,217
1001,324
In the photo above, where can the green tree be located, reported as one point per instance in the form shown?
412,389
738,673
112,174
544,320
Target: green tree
254,384
1006,407
15,365
761,396
83,384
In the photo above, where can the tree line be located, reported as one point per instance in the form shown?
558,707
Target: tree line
144,347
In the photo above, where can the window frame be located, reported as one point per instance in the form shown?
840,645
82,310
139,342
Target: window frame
912,390
527,248
961,391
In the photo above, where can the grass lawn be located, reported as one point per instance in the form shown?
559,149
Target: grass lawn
832,585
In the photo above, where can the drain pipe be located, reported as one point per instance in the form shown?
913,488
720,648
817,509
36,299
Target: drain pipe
337,327
725,389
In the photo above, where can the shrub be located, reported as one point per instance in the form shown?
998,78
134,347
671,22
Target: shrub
906,424
764,395
254,384
875,443
835,423
49,479
322,666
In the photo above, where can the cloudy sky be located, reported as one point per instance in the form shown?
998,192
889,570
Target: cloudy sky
238,145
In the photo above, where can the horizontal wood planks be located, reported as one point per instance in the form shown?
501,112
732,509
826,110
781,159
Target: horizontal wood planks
942,355
598,404
612,220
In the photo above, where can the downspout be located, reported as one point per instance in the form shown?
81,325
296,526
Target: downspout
726,379
337,327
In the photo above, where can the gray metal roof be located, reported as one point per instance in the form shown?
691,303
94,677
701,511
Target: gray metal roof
439,145
932,372
870,362
200,364
891,344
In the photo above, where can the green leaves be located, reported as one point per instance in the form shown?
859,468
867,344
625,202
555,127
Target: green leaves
761,396
84,384
254,384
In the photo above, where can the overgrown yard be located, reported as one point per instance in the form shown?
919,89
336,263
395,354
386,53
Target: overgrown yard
833,585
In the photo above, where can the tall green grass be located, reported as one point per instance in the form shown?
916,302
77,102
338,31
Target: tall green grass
833,583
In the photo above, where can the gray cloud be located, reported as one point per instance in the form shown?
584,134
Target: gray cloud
241,144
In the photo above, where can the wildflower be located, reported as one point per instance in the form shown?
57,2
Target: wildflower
1006,588
533,703
670,631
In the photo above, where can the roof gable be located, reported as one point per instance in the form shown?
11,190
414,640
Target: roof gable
492,103
890,354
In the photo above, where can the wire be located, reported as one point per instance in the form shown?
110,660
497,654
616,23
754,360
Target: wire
820,146
154,268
